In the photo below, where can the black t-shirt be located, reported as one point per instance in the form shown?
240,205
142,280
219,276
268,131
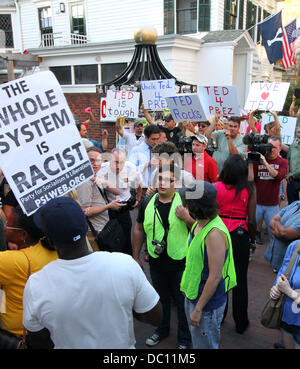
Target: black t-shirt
163,262
172,135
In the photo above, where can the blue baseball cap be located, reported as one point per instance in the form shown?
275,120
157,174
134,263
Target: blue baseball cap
62,220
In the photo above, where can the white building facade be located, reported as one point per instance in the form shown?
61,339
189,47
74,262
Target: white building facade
89,42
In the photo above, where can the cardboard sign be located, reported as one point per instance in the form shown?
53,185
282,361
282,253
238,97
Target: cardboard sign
267,96
155,92
186,107
122,103
41,151
223,99
104,114
287,125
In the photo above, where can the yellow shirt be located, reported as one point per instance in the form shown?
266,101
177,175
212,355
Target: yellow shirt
13,277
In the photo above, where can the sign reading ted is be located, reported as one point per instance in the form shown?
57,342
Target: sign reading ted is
41,151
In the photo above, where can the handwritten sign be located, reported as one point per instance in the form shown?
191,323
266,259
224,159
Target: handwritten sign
287,127
219,99
155,92
122,103
267,96
41,152
186,107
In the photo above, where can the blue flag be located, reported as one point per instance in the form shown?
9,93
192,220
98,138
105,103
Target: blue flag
271,32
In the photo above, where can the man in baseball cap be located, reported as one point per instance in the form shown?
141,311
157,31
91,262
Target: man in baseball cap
62,221
78,299
199,163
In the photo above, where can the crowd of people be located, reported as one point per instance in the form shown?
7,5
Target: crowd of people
190,202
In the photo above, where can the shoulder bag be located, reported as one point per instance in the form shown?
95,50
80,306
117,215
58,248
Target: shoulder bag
112,237
272,311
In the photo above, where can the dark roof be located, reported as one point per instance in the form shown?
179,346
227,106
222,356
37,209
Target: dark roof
222,36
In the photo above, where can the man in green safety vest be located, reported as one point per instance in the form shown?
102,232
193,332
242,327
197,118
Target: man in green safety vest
164,221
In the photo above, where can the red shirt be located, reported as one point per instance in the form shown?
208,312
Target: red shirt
232,206
204,168
267,187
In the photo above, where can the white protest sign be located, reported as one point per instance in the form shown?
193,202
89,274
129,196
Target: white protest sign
155,92
42,155
267,96
186,107
287,127
122,103
219,99
104,115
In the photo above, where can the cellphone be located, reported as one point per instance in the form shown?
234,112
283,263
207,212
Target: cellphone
87,110
297,93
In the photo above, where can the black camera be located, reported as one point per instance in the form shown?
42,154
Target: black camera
257,144
185,145
159,247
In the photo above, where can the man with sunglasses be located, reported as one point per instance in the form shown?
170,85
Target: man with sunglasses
164,222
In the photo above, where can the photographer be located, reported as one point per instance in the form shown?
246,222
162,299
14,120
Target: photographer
125,177
164,222
200,164
267,177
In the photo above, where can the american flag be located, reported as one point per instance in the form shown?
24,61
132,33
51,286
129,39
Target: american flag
288,44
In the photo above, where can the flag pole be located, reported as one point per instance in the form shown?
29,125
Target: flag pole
270,16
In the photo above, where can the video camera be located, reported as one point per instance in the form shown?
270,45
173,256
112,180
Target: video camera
185,145
257,144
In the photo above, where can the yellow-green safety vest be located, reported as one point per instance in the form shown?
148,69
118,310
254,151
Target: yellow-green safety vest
178,231
194,264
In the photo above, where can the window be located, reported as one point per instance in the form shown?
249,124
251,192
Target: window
5,25
77,19
45,21
230,14
86,74
111,71
204,15
191,16
63,74
168,17
241,14
186,16
251,17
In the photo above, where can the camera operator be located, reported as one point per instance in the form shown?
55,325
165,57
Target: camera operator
200,164
127,179
267,177
164,222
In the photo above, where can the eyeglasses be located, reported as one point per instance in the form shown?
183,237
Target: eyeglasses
202,125
5,226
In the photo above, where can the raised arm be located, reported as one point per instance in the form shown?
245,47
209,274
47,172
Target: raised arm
252,122
119,128
147,115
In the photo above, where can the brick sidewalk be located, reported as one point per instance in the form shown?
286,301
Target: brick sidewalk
260,280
